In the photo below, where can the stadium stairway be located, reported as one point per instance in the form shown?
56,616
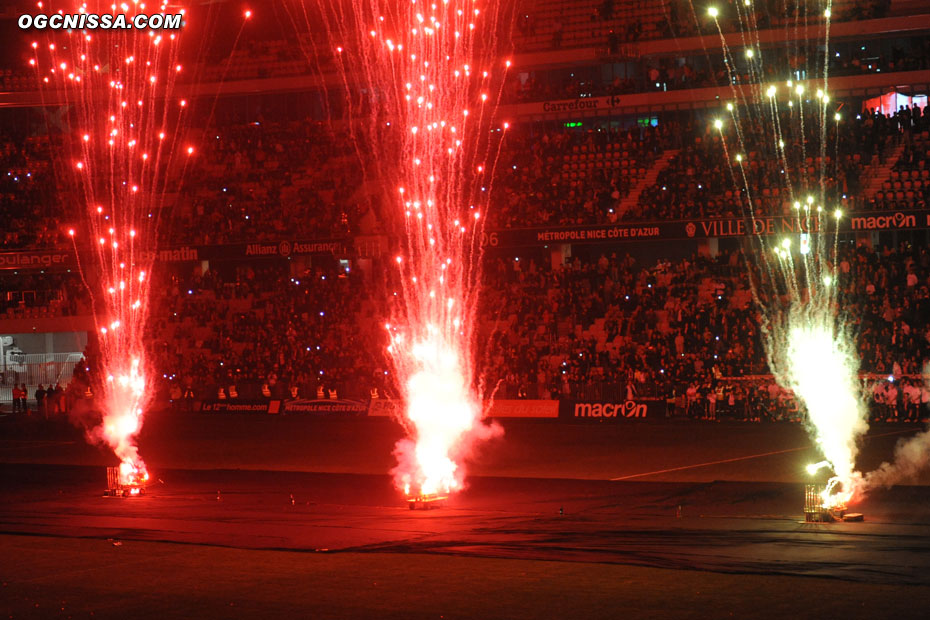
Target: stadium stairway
878,173
632,198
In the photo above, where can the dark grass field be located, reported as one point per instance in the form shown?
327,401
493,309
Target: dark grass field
82,578
272,517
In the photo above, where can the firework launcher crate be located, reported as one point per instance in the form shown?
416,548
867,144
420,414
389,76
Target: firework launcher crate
814,509
115,488
426,501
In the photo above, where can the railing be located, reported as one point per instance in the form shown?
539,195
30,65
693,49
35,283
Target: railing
34,369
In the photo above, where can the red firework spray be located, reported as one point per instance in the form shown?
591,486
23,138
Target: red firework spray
424,79
122,155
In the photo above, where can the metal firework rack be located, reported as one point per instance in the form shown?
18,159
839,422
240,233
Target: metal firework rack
426,501
815,511
116,488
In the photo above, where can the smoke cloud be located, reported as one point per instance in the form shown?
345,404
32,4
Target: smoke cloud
911,456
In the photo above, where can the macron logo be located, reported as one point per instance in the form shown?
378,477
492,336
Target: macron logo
628,409
101,21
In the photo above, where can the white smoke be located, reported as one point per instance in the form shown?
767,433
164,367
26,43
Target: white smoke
812,353
822,370
444,418
911,456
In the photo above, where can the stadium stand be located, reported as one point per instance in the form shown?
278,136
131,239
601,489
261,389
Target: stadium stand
611,321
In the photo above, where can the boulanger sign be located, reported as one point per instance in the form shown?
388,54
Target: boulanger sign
37,260
65,259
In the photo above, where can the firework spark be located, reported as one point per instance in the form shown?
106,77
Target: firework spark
429,83
818,362
808,341
122,155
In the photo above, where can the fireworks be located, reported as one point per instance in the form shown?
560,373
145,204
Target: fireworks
429,83
122,155
808,342
812,353
821,370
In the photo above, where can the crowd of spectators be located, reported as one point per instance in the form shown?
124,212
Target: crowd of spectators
686,19
555,25
256,59
264,180
610,327
29,207
688,331
580,177
682,331
618,325
909,185
595,328
612,24
711,69
34,294
705,179
260,333
252,181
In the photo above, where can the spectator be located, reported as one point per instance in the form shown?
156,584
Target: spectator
41,403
